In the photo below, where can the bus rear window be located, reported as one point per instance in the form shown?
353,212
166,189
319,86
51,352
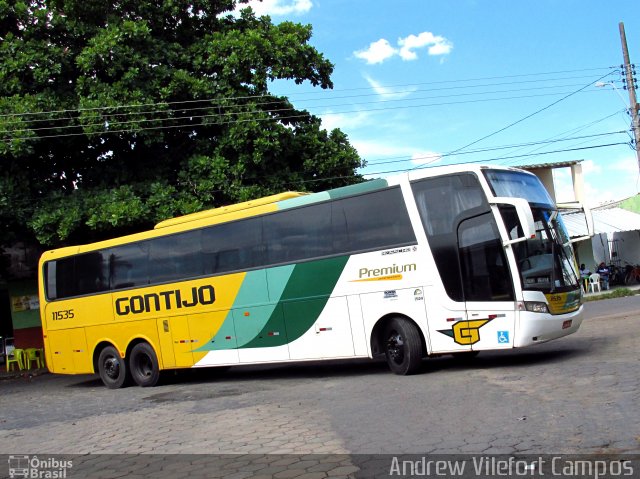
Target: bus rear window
77,275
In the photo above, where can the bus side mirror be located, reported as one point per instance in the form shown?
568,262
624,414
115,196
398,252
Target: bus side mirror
525,217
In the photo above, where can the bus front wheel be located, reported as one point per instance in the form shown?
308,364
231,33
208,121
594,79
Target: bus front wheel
403,346
143,365
112,368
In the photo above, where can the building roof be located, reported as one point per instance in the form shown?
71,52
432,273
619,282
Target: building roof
610,220
558,164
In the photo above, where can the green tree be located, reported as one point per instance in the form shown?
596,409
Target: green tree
115,115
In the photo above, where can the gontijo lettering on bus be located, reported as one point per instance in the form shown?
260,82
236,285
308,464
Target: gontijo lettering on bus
165,300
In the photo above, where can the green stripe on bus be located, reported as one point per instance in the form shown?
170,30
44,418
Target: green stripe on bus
303,299
358,188
247,331
253,292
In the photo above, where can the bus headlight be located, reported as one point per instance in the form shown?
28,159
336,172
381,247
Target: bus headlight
536,306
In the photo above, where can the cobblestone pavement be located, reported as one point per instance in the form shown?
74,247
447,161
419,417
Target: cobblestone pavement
579,394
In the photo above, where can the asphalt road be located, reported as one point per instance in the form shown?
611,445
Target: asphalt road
579,394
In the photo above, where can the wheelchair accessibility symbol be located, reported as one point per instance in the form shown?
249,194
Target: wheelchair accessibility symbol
503,337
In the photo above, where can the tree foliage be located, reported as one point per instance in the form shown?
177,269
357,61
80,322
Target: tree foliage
115,115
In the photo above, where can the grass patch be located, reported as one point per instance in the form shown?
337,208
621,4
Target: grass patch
616,293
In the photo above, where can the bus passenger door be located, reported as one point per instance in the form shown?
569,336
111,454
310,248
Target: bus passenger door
487,284
167,358
178,334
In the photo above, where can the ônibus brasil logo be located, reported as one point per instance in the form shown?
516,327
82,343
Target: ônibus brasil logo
33,467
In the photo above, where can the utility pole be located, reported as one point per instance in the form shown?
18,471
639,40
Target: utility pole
631,87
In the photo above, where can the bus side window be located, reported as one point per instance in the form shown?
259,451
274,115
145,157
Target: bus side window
370,221
91,273
298,234
129,265
232,246
443,202
175,257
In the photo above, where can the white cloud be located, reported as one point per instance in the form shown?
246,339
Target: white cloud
377,52
610,180
628,164
389,93
278,7
382,50
563,185
590,166
344,121
437,45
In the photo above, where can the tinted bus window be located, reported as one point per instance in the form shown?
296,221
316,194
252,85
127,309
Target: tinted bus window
375,220
77,275
298,234
91,273
485,274
232,246
129,265
175,257
443,202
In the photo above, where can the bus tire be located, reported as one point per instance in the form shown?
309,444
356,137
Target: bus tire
143,365
112,368
402,346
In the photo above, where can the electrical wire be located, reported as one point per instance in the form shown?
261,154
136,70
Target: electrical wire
215,102
565,150
526,117
436,156
565,134
386,172
277,118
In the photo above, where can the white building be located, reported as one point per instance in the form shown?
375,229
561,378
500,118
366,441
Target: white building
616,237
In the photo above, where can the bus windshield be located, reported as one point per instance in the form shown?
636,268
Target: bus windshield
546,262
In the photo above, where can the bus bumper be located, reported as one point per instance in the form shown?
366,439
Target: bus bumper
535,328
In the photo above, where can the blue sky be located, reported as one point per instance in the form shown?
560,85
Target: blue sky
423,83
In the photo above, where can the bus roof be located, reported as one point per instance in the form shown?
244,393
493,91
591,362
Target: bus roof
201,215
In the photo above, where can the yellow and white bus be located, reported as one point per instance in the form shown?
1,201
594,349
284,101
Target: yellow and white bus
456,259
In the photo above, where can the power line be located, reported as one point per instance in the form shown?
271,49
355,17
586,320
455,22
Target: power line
277,119
185,111
215,102
501,77
524,118
573,131
565,150
436,156
406,170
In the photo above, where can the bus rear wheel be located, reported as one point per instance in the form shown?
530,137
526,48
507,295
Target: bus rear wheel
112,368
143,365
403,346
